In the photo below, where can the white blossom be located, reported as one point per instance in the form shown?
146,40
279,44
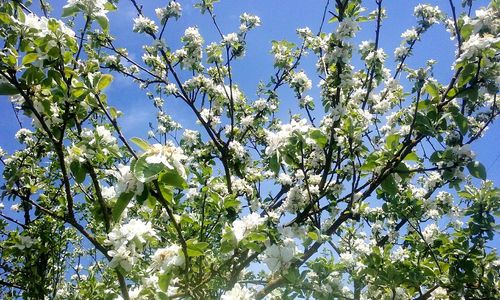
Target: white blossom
410,35
237,293
237,149
144,24
428,14
348,28
126,181
167,155
231,39
25,242
92,8
279,256
430,232
192,37
243,226
166,258
173,9
248,22
300,82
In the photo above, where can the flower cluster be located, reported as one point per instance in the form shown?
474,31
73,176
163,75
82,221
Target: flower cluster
93,141
300,82
237,293
245,225
347,28
427,15
248,21
166,258
172,10
91,8
231,40
32,25
126,181
144,25
193,47
127,242
167,155
279,256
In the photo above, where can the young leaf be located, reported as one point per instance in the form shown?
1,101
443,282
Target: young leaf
103,22
195,248
389,185
460,120
477,170
29,58
164,281
319,137
5,18
172,178
274,164
141,143
167,193
104,81
412,156
120,205
78,171
70,11
144,171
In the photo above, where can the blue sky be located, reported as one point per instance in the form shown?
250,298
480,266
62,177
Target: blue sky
279,21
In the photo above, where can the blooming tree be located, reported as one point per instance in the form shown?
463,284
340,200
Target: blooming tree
369,191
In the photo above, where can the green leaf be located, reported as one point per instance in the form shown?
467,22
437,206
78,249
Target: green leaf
389,185
103,22
70,11
460,120
313,235
452,93
144,171
432,89
412,156
333,19
274,163
167,193
164,281
7,89
120,205
231,202
292,276
256,236
78,171
29,58
318,137
195,248
436,156
162,296
104,81
477,170
467,74
172,178
141,143
5,18
109,6
370,162
392,141
113,112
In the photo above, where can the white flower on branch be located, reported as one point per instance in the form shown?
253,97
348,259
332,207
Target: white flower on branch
144,24
166,258
172,10
237,293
